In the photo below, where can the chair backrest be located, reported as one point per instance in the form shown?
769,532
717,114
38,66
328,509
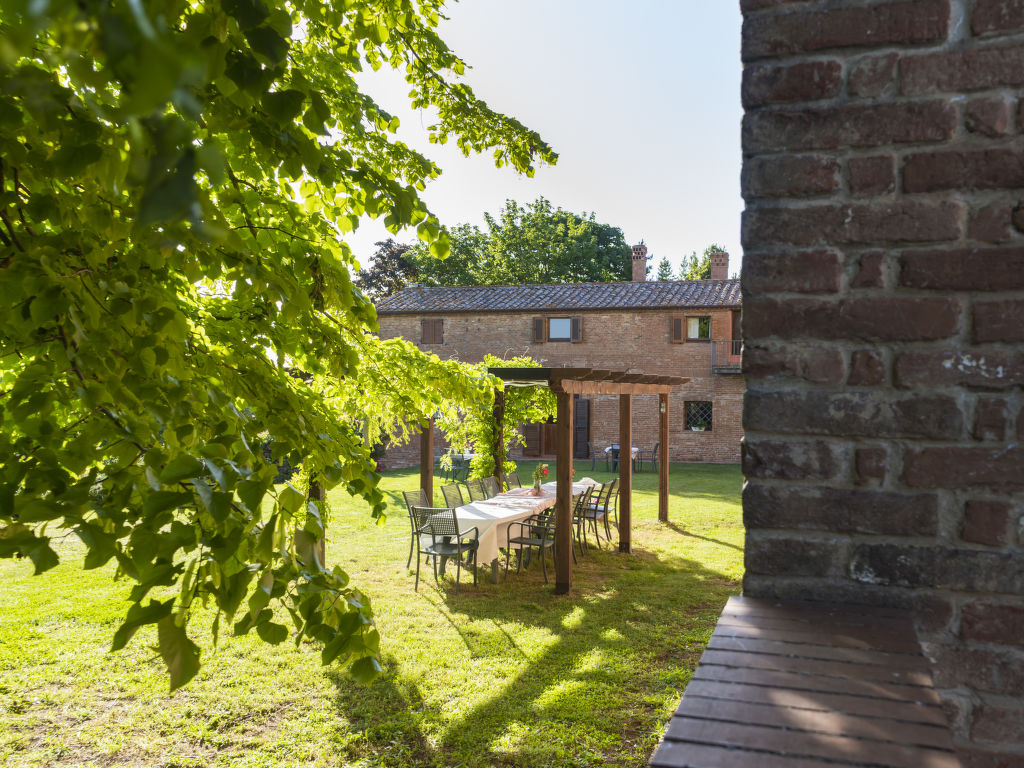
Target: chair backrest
459,462
491,486
421,516
476,490
415,498
442,523
452,495
580,500
607,493
512,480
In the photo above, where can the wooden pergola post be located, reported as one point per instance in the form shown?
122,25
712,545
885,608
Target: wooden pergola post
498,451
625,471
427,459
563,508
663,457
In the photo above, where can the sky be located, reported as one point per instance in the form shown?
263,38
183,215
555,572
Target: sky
640,99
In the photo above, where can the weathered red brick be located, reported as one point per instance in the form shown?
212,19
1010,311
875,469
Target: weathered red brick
960,70
990,223
791,459
870,176
871,464
999,321
867,368
806,81
973,269
872,318
975,757
795,557
996,467
793,271
990,419
987,522
861,223
869,270
991,670
1018,217
819,365
852,125
963,169
839,511
989,116
997,16
907,23
932,612
1002,724
872,76
855,414
970,570
789,176
989,369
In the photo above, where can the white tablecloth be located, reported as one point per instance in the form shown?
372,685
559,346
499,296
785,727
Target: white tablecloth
491,518
635,450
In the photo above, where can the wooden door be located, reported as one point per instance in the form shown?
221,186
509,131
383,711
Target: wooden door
532,435
548,439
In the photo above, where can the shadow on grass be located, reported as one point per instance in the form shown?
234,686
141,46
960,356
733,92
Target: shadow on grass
585,696
684,532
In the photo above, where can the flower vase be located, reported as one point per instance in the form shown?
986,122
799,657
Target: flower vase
536,488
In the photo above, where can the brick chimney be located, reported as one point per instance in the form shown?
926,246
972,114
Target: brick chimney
639,262
719,265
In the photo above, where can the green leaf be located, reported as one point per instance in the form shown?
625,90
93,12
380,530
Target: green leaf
266,42
366,669
181,467
290,500
179,653
272,633
139,615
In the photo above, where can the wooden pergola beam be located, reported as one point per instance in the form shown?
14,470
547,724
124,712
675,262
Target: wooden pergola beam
427,459
563,503
625,472
577,387
499,438
663,423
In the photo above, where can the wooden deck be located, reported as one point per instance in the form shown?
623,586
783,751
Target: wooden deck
800,685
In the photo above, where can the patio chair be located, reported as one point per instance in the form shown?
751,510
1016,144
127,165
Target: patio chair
592,454
460,468
650,456
597,509
491,486
476,489
536,531
580,502
613,510
611,458
512,480
452,495
440,525
416,498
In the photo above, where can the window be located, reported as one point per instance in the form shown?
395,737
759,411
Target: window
698,415
698,328
557,329
432,331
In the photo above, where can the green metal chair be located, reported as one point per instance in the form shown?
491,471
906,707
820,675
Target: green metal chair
597,509
452,495
446,541
491,486
536,531
512,480
414,498
476,489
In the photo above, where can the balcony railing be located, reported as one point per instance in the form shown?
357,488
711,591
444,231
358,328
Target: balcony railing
726,356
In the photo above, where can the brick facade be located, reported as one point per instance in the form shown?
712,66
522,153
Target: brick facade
883,312
637,341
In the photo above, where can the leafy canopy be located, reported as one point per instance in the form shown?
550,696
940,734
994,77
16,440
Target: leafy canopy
696,267
174,178
664,269
536,243
390,271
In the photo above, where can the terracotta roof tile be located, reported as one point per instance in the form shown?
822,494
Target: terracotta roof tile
554,297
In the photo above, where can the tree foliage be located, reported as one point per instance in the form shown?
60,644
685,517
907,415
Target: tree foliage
391,270
664,270
174,178
536,243
696,267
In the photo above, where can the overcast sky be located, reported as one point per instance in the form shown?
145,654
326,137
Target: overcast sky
640,99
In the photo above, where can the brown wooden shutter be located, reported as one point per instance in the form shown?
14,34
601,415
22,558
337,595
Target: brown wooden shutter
531,435
577,329
439,331
676,330
426,329
538,330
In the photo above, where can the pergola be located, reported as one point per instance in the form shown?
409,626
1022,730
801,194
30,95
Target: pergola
565,383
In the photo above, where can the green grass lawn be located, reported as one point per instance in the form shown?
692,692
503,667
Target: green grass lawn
503,674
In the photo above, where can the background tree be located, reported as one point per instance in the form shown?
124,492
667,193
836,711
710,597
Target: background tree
664,269
696,267
533,244
390,271
173,182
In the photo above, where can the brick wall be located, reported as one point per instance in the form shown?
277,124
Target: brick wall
883,300
635,341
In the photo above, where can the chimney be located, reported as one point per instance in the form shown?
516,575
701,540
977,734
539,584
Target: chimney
639,262
719,265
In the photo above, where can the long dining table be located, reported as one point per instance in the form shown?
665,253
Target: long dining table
493,516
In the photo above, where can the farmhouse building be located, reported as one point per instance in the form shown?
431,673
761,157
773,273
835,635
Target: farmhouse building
684,328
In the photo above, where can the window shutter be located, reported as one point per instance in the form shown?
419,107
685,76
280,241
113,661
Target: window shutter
439,331
538,330
577,329
676,330
426,329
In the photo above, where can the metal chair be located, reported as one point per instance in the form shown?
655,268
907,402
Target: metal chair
593,455
536,531
597,509
476,489
460,468
452,495
446,540
491,486
512,480
649,456
416,498
580,502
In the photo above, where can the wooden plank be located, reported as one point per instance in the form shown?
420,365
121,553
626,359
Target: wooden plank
789,742
662,458
575,387
499,438
825,617
904,711
904,661
684,754
427,459
797,681
882,639
625,472
807,666
845,640
763,606
563,508
816,721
